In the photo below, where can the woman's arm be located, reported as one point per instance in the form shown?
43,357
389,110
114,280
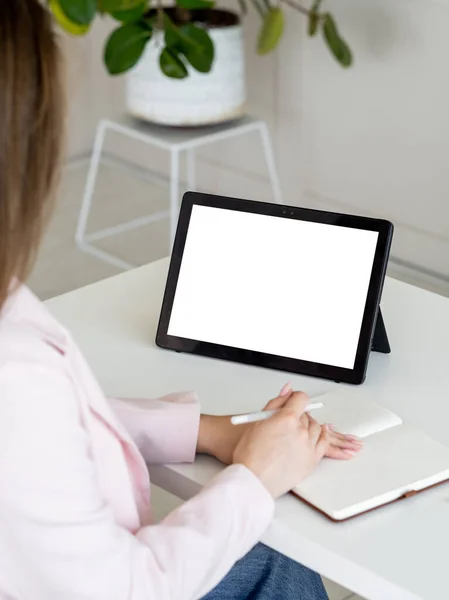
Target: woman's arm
165,429
58,533
171,429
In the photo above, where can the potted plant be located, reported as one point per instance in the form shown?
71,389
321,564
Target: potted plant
185,62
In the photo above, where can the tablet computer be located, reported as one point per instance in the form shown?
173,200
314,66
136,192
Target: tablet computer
275,286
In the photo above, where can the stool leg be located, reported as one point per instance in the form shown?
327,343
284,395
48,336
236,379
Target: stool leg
90,184
190,159
271,163
174,191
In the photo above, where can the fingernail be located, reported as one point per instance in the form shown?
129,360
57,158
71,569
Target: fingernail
286,389
350,452
354,445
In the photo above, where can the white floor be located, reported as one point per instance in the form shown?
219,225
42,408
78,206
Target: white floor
63,267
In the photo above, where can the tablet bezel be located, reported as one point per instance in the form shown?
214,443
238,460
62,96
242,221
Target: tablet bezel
261,359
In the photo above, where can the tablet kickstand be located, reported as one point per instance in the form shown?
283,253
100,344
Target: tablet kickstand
380,337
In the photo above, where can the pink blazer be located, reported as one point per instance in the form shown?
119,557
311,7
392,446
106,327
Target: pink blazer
75,513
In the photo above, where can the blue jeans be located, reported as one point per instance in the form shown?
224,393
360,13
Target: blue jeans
264,574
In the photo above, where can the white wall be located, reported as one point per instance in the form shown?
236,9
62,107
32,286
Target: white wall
376,139
91,93
372,140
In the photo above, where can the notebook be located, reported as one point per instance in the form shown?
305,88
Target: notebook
397,460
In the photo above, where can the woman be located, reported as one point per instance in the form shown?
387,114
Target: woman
75,519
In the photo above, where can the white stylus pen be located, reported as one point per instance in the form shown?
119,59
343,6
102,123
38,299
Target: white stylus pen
266,414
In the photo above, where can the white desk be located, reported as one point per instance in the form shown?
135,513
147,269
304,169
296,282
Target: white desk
399,552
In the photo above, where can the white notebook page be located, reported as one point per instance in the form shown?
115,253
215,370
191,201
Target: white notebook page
351,414
392,462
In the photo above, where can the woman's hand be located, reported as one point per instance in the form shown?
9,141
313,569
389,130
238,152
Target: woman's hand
219,438
342,446
284,449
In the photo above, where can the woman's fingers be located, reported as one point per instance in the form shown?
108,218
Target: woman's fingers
286,390
347,436
343,447
315,430
323,445
297,403
304,421
339,453
338,445
344,442
279,402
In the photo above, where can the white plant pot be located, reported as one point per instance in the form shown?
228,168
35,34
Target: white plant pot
200,98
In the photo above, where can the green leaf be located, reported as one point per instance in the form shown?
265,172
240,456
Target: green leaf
171,65
194,4
172,37
336,44
125,47
313,23
330,30
64,22
314,18
271,32
130,15
199,49
345,54
194,42
80,12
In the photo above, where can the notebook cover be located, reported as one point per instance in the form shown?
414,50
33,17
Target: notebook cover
409,494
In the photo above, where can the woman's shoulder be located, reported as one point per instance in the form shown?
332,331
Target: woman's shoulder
28,332
32,374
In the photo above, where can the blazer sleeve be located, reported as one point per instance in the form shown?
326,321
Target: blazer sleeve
165,429
58,535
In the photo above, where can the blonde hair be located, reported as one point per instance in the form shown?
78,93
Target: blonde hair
31,128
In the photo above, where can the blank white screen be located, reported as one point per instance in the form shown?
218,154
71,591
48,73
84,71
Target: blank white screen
280,286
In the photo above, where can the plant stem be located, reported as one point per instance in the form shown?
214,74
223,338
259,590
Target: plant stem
301,9
160,15
258,8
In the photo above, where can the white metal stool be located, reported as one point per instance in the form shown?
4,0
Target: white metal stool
174,141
